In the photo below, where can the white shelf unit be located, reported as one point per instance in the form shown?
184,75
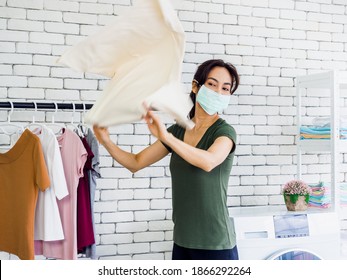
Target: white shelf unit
334,81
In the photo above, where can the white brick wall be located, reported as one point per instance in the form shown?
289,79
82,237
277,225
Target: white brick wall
269,41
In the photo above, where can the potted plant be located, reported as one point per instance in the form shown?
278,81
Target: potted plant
296,195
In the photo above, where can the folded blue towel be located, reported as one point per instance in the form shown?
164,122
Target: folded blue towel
320,130
313,130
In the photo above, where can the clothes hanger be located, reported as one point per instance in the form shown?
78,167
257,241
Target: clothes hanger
75,128
34,126
84,128
18,128
54,124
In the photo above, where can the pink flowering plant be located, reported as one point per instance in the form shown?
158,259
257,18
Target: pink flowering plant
296,188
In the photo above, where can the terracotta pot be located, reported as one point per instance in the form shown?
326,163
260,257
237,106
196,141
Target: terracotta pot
295,202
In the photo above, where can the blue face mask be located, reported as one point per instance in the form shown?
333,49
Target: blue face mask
211,101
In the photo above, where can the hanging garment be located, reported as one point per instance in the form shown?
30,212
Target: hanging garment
94,173
85,231
23,173
48,225
142,51
74,156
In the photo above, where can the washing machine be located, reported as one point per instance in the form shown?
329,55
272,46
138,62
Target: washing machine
272,232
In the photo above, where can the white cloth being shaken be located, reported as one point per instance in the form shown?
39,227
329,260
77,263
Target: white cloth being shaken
142,52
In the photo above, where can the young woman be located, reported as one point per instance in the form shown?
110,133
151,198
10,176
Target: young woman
200,165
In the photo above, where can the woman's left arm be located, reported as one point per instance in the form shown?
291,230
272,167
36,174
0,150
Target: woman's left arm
206,160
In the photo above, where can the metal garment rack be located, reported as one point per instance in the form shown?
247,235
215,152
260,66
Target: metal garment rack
45,105
10,105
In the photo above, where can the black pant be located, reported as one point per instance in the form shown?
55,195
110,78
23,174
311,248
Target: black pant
181,253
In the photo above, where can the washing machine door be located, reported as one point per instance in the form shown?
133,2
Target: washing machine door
294,254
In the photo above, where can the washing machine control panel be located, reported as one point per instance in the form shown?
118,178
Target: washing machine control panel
290,226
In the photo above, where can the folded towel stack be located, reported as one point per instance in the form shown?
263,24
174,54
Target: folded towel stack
321,195
316,132
325,121
343,195
320,129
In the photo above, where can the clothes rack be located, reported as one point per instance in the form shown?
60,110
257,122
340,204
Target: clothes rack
45,105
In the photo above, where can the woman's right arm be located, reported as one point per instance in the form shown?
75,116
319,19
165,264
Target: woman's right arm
133,162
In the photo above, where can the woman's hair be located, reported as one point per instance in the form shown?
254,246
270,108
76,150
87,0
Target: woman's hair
205,68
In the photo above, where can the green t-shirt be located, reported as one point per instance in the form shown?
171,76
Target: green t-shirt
199,198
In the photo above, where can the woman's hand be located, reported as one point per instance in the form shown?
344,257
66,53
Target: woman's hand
102,134
155,126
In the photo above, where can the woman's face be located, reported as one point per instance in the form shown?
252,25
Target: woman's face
219,80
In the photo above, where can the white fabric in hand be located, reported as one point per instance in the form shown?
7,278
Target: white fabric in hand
142,52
